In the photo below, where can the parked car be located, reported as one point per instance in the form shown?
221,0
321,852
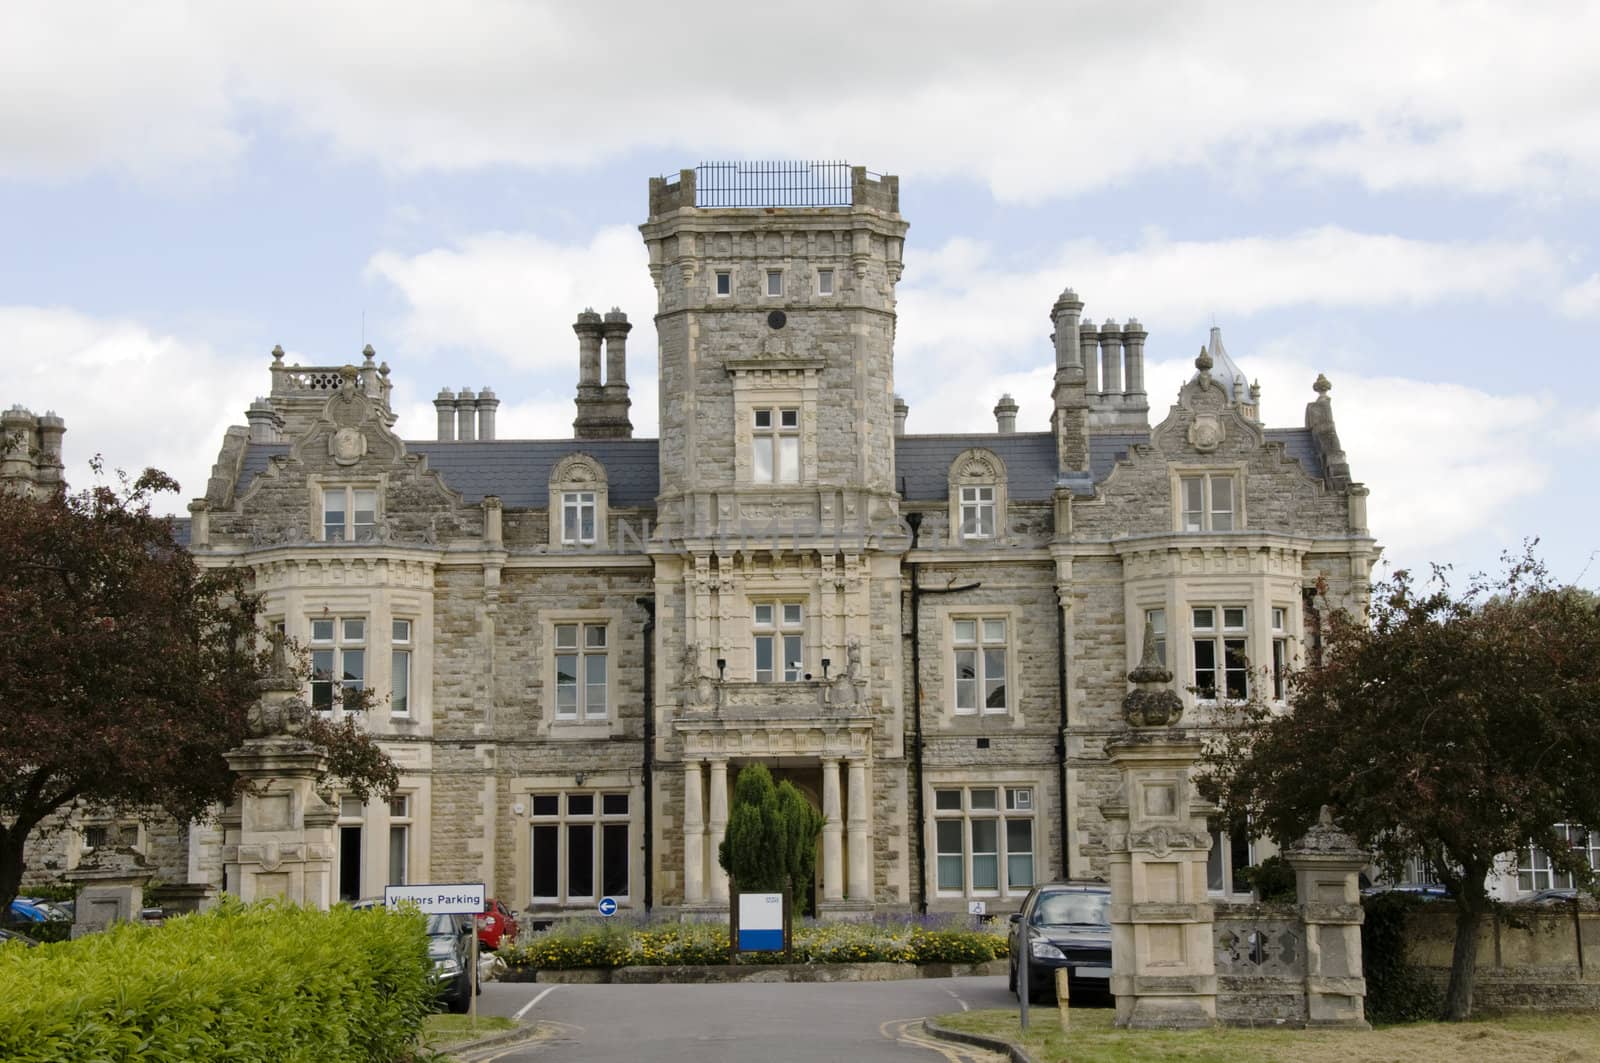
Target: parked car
53,911
496,925
24,910
1063,925
12,935
450,949
1421,891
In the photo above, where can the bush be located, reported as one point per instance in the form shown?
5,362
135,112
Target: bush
1396,991
1272,879
246,982
619,943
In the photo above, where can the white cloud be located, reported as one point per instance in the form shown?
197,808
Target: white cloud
135,395
964,317
507,301
1048,98
1582,299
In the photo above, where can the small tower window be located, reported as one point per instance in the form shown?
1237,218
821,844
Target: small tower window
724,282
824,282
774,282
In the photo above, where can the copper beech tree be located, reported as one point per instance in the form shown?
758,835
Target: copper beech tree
126,671
1450,727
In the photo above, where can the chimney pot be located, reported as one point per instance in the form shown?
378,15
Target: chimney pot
901,410
1005,415
466,415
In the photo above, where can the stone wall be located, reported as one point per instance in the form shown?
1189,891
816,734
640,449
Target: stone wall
1529,957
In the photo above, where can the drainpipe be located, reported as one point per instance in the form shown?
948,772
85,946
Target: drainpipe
649,764
914,520
1061,740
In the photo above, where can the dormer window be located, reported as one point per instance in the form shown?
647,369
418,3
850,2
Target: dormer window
1208,502
349,514
977,511
577,517
578,499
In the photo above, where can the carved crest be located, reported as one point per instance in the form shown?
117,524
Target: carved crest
1207,432
347,446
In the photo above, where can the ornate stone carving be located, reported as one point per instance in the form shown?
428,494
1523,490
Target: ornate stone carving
347,446
1325,837
1152,703
1206,433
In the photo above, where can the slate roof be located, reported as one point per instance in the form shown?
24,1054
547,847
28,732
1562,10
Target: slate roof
518,470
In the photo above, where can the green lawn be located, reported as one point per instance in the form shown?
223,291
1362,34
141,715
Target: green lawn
1550,1037
443,1031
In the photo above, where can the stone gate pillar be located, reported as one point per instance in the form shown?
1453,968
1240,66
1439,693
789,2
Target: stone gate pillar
111,889
1327,864
1163,970
280,834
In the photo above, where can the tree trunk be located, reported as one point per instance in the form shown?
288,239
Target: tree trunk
1474,905
10,868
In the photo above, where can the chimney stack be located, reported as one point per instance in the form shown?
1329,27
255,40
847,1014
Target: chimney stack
615,412
1005,415
466,415
1111,357
589,328
445,404
900,412
1088,341
487,404
1133,335
263,421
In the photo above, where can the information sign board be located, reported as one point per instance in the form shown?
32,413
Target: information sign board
760,922
438,898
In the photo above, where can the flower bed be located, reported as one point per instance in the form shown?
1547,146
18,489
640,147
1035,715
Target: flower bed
602,943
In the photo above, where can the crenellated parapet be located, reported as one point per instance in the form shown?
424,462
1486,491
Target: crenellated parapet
30,452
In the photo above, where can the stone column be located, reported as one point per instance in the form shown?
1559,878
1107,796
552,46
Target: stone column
832,833
1163,968
1111,357
717,827
1327,864
694,836
860,822
111,889
280,834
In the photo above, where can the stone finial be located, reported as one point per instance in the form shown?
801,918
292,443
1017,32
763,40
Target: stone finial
277,354
1325,837
1321,386
1255,392
1152,703
1204,362
367,355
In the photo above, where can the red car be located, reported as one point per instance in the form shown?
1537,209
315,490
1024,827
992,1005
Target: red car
495,924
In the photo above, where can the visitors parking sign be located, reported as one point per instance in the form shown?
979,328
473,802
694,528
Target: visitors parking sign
438,898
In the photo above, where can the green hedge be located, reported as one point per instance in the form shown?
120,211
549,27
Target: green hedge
607,943
242,983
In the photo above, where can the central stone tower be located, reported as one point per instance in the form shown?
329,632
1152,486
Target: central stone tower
777,562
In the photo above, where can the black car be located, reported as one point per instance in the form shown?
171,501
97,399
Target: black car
1065,926
450,948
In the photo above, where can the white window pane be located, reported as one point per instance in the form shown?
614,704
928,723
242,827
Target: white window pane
567,636
1204,619
594,636
586,524
994,679
764,615
965,631
402,631
763,418
724,282
399,844
1222,494
994,631
351,808
1278,616
966,680
1157,619
763,658
774,282
793,659
400,683
947,800
322,631
569,524
789,418
788,459
566,685
761,459
791,614
355,630
1233,619
595,689
825,282
983,799
355,668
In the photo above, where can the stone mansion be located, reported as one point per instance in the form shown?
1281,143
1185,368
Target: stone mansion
577,644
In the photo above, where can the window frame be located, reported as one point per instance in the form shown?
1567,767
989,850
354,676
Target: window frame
773,275
339,645
1005,809
584,650
979,469
578,473
779,631
977,506
718,275
778,427
351,530
1535,869
402,651
1206,516
575,501
825,281
981,646
1225,660
564,820
400,824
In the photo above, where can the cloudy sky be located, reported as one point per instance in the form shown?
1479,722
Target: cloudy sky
1399,195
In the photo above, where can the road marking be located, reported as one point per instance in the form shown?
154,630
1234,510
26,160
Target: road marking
529,1005
956,998
910,1031
545,1034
